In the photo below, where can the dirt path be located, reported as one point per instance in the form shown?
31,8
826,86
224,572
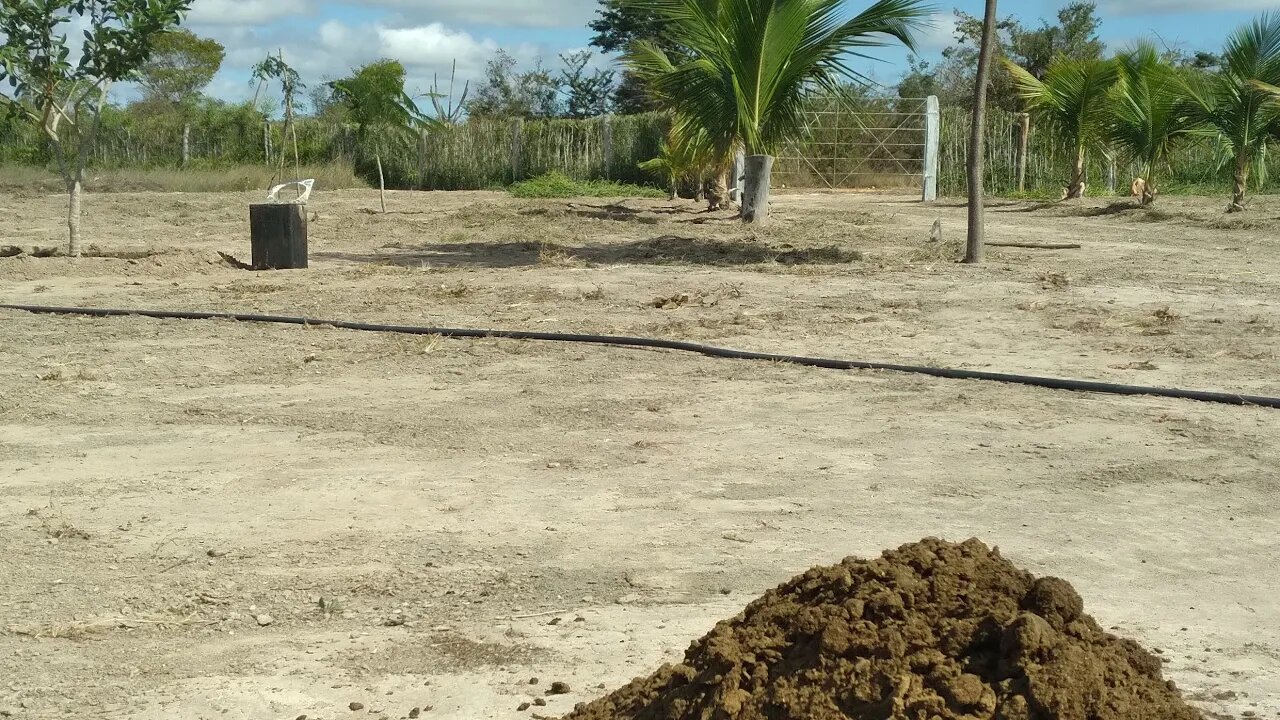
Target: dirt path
235,521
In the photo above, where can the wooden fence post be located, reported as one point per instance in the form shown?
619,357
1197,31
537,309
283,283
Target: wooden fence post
266,142
932,135
186,144
422,159
517,139
1024,143
607,150
737,176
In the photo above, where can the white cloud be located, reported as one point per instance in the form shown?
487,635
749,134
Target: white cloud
243,12
499,13
1146,7
938,35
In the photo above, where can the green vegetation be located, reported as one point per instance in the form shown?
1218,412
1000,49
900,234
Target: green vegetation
63,101
242,178
748,67
559,185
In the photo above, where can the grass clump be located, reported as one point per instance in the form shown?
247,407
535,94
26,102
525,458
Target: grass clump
559,185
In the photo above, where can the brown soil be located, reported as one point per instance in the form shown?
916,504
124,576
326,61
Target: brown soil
933,630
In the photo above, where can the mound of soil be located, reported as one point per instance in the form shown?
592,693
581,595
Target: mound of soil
930,631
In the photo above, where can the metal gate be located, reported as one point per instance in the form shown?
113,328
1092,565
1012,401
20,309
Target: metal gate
861,142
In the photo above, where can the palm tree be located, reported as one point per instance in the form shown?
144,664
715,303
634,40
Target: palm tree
676,161
1236,105
378,105
750,63
1147,113
1071,102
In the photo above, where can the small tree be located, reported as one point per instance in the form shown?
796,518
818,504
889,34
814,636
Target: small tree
507,92
751,65
378,105
181,65
1071,101
273,67
1146,113
1235,104
64,100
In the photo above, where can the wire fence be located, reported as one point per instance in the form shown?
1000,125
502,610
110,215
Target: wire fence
849,142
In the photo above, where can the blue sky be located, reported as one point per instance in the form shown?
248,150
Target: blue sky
324,38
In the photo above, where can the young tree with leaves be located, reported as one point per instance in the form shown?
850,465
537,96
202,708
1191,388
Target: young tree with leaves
66,100
750,65
181,65
273,67
1071,101
378,105
507,92
1146,113
1238,110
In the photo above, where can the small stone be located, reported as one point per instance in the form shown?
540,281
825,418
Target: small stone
554,621
522,707
533,681
356,706
264,619
539,702
559,688
415,712
301,717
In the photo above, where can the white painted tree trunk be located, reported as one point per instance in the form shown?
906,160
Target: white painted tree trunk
755,190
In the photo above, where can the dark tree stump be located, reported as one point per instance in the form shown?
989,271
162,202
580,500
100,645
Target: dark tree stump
278,234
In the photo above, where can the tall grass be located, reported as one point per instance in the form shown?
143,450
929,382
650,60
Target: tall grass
556,184
242,178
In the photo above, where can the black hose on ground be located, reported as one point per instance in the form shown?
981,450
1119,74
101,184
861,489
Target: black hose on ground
711,350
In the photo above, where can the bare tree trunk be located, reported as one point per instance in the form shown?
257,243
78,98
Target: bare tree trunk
73,217
977,220
382,185
1240,183
1076,189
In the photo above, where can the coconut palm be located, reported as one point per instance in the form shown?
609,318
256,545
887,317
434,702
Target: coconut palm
1147,113
677,160
1236,104
378,105
1071,101
750,63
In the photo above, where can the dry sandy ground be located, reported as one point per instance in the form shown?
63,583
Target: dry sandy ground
226,520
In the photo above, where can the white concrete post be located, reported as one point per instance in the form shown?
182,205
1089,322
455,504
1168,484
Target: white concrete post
932,133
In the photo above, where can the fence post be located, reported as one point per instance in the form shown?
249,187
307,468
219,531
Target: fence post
266,142
608,147
1024,143
186,144
422,159
1111,175
932,134
517,139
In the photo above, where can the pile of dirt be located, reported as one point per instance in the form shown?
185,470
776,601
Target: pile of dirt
930,631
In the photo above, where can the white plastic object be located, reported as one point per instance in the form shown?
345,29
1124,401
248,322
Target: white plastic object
304,187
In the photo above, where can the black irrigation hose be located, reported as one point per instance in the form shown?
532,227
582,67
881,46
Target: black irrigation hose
624,341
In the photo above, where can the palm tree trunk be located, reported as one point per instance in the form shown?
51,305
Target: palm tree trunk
1240,183
718,190
755,191
382,185
1076,189
974,250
